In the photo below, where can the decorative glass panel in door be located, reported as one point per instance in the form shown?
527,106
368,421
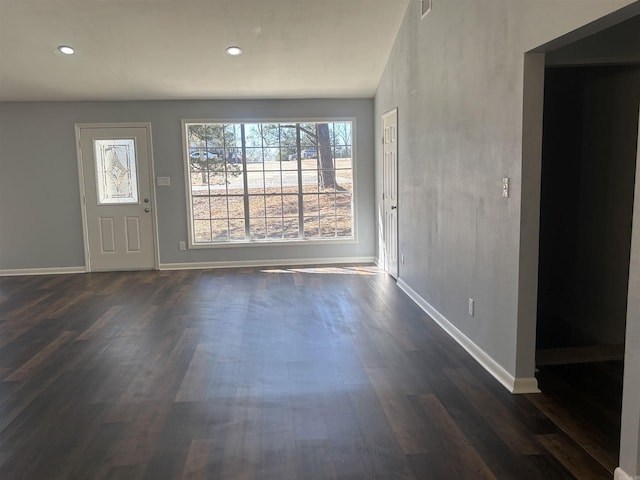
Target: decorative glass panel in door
116,176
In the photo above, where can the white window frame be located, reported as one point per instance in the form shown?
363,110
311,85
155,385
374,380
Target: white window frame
248,242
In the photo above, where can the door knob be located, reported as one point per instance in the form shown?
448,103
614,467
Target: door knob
146,200
147,209
393,207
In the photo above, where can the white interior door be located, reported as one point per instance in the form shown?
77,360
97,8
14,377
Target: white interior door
390,191
116,172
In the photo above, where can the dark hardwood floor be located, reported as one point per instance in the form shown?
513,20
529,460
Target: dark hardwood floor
585,401
292,373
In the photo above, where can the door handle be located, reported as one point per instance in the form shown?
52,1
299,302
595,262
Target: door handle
147,209
393,207
146,200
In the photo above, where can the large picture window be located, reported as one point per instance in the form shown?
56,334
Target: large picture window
269,182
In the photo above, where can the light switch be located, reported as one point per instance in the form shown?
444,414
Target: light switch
505,187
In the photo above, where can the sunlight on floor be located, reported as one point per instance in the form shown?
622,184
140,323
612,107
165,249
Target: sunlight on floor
359,270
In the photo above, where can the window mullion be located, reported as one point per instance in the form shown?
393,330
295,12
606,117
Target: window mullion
264,183
204,158
300,196
226,178
245,181
279,156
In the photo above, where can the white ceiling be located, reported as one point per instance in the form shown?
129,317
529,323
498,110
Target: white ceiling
174,49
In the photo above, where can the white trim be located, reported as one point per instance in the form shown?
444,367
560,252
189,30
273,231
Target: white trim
274,243
203,265
83,203
187,182
41,271
619,474
513,384
267,263
525,385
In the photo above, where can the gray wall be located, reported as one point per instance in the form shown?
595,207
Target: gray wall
40,218
460,79
457,80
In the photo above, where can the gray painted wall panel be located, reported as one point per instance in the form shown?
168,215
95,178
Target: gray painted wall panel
40,219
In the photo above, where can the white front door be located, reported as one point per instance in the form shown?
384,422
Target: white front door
390,191
118,200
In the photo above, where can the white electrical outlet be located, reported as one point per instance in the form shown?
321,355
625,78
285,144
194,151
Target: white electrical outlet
471,302
182,245
505,187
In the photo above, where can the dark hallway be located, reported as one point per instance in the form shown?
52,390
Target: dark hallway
588,171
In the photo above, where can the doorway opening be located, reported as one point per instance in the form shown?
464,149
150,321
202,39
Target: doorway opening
590,134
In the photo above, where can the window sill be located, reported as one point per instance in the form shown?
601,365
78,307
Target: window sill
274,243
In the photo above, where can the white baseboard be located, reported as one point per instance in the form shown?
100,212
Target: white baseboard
267,263
619,474
511,383
41,271
524,385
202,265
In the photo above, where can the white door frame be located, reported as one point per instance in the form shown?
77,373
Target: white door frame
392,267
83,206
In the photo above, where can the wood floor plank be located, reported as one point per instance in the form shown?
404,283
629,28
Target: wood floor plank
577,428
407,425
196,466
590,392
196,380
278,444
575,459
458,453
382,447
100,323
307,409
241,451
316,462
137,440
41,357
347,444
505,424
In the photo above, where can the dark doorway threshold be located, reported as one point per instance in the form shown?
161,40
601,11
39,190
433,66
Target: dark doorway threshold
585,401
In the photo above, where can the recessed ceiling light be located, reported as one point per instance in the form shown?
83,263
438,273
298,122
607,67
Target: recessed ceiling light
66,50
233,50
